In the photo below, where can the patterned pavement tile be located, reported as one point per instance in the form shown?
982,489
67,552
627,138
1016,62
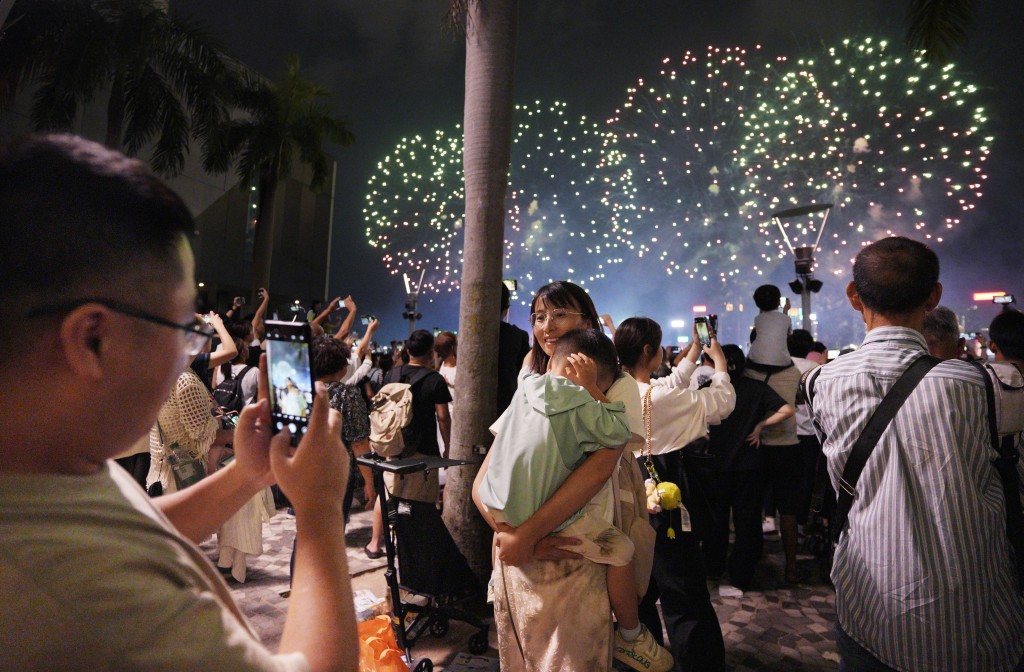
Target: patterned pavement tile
776,627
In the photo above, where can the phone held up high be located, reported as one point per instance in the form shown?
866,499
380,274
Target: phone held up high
703,330
291,376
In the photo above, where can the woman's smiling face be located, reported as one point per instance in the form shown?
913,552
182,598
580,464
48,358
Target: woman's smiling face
550,323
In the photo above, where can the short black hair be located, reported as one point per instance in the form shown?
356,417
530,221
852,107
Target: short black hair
768,297
1007,332
799,343
735,359
895,275
506,297
632,336
818,346
593,344
420,343
82,220
330,355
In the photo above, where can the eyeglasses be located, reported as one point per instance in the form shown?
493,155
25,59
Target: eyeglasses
197,332
557,315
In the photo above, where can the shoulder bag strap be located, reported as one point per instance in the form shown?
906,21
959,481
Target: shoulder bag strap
1006,465
876,426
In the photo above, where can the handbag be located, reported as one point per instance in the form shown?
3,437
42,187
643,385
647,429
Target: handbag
187,469
662,496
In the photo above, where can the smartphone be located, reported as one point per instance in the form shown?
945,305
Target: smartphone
713,321
291,376
366,319
703,330
512,285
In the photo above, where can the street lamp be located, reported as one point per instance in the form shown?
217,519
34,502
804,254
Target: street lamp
412,295
805,283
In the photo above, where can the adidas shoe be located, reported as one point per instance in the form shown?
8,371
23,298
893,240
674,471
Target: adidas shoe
643,653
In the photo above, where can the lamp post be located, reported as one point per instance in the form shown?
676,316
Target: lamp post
805,283
412,295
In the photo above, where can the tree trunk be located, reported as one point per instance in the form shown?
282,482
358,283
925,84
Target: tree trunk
490,66
263,247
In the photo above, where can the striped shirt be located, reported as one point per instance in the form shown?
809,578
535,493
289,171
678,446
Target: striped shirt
923,574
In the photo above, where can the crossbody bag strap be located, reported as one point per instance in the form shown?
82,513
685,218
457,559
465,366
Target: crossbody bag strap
1006,465
880,420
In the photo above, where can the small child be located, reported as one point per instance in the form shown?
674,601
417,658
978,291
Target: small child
768,349
554,421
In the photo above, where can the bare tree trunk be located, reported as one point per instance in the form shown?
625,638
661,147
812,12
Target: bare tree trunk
490,66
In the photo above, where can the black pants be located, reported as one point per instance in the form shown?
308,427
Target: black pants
738,492
678,579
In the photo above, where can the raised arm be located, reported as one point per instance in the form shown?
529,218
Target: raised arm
364,345
258,328
346,326
227,350
319,319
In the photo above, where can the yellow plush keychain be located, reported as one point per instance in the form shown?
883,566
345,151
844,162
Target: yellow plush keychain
661,495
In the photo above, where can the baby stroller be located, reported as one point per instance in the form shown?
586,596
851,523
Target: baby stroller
433,572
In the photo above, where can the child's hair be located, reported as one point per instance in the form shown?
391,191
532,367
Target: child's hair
736,361
1007,331
768,297
595,345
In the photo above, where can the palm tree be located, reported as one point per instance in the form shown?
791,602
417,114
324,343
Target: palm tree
281,122
163,72
490,64
939,27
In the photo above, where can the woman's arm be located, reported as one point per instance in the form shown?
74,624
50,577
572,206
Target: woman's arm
259,330
318,320
227,350
520,546
346,326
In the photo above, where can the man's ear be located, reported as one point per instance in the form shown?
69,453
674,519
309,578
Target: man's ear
934,298
83,334
993,346
854,297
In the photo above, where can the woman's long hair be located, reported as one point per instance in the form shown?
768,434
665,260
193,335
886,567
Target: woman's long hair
632,336
561,294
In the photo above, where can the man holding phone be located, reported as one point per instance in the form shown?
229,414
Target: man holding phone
95,574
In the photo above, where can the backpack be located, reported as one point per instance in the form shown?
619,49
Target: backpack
390,413
228,395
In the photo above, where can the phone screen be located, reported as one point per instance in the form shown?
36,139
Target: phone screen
366,319
291,376
703,332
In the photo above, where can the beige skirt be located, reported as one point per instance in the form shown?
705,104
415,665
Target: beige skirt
553,615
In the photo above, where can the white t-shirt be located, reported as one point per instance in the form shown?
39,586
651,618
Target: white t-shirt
96,578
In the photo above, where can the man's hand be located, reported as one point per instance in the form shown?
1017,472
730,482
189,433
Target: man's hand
350,304
786,306
312,474
263,295
371,328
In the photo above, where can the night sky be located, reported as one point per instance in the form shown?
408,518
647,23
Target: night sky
395,69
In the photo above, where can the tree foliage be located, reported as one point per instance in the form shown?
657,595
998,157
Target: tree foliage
161,73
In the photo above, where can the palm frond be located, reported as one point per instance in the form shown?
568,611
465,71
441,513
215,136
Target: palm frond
939,27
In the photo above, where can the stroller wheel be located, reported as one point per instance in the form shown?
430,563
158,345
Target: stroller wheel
439,627
478,643
423,665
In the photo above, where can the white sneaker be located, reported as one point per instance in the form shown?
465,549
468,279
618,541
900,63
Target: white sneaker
643,653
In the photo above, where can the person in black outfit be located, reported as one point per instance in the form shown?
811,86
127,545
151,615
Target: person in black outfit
737,483
513,344
430,397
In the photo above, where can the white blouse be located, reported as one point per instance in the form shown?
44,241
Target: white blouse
680,415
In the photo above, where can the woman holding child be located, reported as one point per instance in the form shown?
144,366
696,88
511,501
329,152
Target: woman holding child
538,627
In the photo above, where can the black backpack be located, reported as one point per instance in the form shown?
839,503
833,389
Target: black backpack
228,395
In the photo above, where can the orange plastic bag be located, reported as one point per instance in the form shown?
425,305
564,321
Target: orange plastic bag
378,649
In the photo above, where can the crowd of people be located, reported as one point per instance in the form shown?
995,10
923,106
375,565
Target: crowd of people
618,470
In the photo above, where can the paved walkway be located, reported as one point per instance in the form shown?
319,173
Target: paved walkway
776,628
